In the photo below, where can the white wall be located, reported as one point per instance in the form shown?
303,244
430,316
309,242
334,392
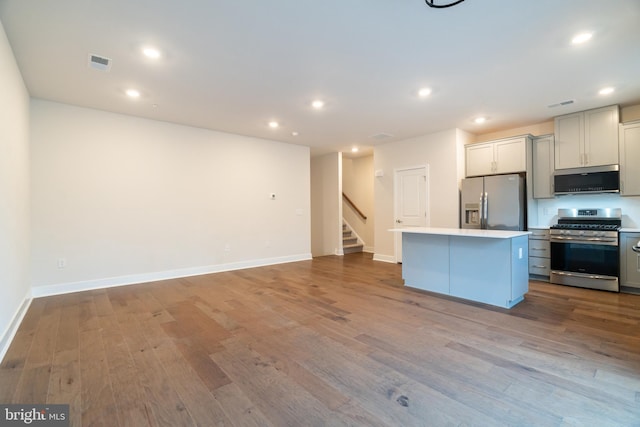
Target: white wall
444,153
120,199
357,184
14,194
326,205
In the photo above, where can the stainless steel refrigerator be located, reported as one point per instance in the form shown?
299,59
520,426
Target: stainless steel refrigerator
495,202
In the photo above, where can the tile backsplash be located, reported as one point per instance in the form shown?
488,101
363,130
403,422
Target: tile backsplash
547,209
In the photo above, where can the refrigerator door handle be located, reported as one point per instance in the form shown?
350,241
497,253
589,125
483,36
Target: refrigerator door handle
480,210
485,210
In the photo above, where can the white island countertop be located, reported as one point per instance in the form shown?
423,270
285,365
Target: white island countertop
462,232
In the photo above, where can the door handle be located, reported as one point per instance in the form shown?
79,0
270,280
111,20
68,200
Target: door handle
486,209
636,248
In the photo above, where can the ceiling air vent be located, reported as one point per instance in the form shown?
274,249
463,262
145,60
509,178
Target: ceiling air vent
381,136
99,62
561,103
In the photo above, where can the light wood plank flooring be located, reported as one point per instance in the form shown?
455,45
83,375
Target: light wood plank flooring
333,341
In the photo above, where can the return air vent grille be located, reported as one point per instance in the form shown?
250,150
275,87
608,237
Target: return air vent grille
381,136
561,103
99,63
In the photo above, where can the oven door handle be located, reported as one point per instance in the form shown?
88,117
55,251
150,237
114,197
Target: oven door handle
583,239
587,276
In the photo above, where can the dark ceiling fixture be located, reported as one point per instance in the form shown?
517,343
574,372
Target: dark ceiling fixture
431,3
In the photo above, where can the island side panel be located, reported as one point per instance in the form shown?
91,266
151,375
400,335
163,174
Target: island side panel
520,268
481,269
425,262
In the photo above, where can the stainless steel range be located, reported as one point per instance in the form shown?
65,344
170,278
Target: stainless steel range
584,248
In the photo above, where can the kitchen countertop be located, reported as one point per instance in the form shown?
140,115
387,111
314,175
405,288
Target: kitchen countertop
462,232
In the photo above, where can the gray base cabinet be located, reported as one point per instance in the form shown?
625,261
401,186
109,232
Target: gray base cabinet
539,254
630,262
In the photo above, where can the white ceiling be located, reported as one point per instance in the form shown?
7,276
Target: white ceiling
235,65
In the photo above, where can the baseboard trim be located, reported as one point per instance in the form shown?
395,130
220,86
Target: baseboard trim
10,332
110,282
384,258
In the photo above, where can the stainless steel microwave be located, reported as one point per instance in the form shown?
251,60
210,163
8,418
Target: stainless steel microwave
596,179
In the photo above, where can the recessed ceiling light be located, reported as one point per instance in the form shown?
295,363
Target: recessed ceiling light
132,93
354,150
317,104
294,133
274,124
606,91
151,52
581,38
424,92
480,120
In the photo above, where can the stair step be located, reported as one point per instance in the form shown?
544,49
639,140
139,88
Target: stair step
349,249
349,241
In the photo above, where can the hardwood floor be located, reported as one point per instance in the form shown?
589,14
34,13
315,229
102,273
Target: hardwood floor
333,341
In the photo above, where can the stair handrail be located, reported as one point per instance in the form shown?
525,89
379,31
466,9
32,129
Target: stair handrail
353,205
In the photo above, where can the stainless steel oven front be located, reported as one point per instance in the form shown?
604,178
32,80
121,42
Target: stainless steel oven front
588,259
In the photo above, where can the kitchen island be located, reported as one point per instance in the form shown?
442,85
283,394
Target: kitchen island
488,266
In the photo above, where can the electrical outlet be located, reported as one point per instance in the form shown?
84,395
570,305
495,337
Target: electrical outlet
227,248
62,262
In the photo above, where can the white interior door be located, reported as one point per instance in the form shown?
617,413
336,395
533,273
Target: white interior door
411,201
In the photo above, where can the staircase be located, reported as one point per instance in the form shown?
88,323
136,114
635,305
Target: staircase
350,242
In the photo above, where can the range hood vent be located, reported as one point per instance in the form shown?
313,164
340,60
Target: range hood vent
99,63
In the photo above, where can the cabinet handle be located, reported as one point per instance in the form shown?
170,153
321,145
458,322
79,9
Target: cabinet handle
539,266
586,159
538,249
622,186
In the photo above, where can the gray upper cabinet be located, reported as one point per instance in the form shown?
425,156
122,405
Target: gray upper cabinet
587,138
630,159
543,166
496,157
